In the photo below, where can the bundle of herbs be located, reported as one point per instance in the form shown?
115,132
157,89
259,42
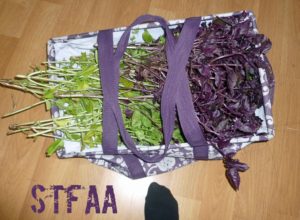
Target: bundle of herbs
223,69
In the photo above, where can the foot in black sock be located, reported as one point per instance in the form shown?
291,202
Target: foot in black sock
160,204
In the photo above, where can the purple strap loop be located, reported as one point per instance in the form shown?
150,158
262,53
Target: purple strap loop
110,73
177,93
176,83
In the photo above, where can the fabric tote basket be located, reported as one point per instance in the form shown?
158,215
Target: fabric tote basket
136,161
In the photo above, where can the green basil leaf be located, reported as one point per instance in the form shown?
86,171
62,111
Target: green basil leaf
147,37
59,143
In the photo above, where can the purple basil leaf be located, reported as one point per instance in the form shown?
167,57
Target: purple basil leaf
222,124
205,71
232,79
234,163
233,177
128,113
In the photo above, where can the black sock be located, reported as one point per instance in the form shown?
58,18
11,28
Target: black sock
160,204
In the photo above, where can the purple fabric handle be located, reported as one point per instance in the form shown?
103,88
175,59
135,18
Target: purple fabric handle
109,82
110,74
177,93
176,83
110,90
